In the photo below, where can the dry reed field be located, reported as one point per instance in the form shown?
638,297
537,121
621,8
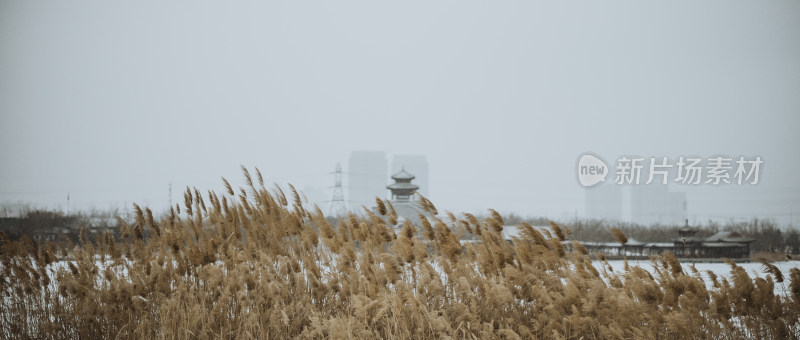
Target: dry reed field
257,263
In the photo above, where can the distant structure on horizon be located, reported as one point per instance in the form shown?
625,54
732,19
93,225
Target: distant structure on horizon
367,177
338,206
604,202
654,203
403,198
649,204
415,164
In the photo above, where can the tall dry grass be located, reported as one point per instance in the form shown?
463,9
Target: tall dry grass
250,264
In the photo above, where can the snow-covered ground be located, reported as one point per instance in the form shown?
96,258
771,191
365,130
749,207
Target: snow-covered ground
754,269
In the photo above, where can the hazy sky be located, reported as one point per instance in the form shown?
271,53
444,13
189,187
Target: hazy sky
112,101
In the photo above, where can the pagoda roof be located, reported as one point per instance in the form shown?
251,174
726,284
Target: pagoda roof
402,186
729,236
403,175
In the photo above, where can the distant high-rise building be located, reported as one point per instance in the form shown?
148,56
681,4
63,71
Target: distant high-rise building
367,178
654,203
604,202
415,164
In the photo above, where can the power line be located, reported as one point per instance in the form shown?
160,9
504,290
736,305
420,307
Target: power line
337,207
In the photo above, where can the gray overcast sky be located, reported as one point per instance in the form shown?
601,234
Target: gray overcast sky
112,101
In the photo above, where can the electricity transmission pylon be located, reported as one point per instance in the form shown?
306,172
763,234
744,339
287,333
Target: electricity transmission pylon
337,201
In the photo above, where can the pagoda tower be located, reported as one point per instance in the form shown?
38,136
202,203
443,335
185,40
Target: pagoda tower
402,189
403,193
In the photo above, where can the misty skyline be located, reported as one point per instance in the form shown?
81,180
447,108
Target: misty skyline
112,102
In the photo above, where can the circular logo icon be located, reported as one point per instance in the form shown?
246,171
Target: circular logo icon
591,170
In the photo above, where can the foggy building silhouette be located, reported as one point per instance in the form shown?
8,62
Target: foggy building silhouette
654,203
367,177
648,204
604,202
